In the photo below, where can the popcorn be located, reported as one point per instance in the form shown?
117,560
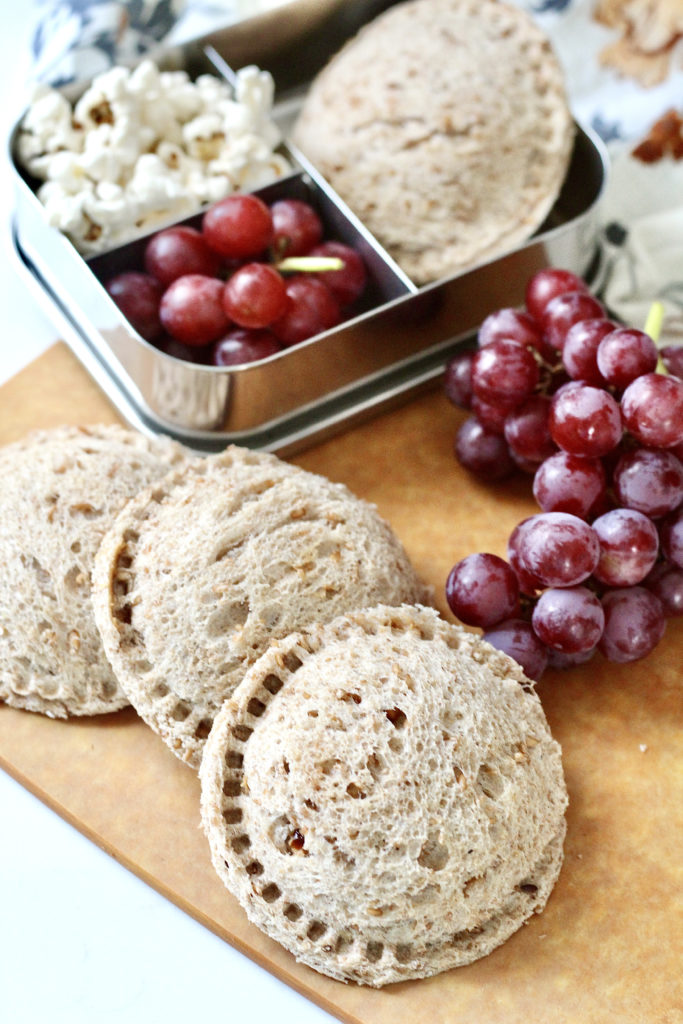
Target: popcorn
144,146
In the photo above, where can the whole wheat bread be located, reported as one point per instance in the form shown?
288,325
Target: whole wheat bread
445,126
383,796
205,568
60,490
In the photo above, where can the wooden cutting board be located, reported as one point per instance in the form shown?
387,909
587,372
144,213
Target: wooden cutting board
608,946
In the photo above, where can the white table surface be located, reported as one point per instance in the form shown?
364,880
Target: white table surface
82,940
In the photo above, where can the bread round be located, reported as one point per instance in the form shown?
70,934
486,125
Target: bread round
444,124
383,796
60,490
200,572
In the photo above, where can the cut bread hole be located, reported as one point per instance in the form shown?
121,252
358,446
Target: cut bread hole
256,707
234,759
490,782
403,953
373,951
75,578
375,766
160,690
108,688
124,614
181,711
292,661
241,732
254,868
433,855
142,666
232,787
273,684
396,717
349,697
240,843
271,893
530,888
203,728
316,930
292,912
227,618
232,815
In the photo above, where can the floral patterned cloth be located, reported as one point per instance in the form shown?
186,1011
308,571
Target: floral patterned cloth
623,61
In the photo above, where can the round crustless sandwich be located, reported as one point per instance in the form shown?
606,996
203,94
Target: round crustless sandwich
203,570
383,796
60,490
445,126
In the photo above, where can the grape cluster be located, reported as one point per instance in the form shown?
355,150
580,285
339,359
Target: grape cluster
228,292
585,405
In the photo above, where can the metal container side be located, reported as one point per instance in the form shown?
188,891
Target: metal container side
311,389
376,358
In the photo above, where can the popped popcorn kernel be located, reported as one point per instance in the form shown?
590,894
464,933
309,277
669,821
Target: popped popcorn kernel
142,146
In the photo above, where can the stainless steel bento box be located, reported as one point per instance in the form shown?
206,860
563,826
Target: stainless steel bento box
398,340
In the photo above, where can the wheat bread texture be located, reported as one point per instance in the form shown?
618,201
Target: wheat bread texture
444,124
383,796
204,569
60,490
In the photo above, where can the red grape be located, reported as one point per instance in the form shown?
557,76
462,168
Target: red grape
671,537
348,283
625,354
649,480
482,451
557,549
177,251
579,352
652,409
238,227
568,619
526,429
548,283
529,584
666,583
296,227
634,624
255,295
628,547
562,660
585,420
482,590
491,415
516,638
564,311
567,483
504,371
672,357
515,325
192,311
311,309
457,379
241,345
138,296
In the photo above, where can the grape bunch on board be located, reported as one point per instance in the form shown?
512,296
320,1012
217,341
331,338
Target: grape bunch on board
594,412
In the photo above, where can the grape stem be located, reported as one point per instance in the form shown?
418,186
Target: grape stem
653,327
317,264
655,318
